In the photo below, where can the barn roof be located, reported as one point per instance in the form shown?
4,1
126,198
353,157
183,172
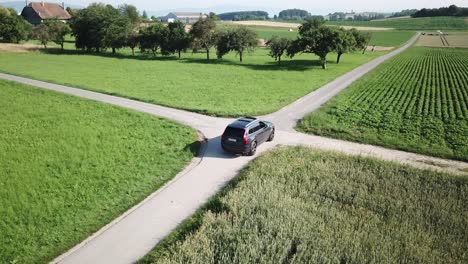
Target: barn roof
50,10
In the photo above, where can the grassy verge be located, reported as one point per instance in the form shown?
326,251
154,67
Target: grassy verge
191,83
68,166
298,205
417,102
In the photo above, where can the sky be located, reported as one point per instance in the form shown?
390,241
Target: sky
314,6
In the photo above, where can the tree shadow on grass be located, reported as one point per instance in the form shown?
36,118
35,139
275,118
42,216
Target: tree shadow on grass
286,65
289,65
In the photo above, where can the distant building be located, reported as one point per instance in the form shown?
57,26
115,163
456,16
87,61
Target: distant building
350,16
184,17
37,12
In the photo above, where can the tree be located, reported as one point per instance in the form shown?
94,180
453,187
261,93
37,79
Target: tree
58,30
116,33
316,38
91,24
203,35
70,11
153,37
244,15
278,47
100,26
13,28
242,39
133,40
213,16
362,39
145,15
41,33
296,14
452,10
310,24
130,12
345,43
222,44
178,39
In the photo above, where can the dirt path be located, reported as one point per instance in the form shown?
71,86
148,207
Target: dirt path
132,235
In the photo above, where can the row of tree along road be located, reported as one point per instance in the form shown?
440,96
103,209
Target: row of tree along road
100,27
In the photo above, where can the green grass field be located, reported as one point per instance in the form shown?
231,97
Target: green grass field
191,83
417,101
68,166
299,205
426,23
266,32
392,38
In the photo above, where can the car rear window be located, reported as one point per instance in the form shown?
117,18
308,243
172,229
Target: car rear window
234,132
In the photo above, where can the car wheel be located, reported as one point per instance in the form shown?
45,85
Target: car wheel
272,136
253,149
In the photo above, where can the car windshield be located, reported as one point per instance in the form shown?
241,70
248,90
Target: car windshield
234,132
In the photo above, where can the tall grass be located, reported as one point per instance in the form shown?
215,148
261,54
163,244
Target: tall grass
68,166
299,205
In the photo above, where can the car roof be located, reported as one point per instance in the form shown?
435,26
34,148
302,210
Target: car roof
243,122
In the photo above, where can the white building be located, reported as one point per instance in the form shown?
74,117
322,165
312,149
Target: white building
184,17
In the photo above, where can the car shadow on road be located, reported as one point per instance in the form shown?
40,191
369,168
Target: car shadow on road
214,150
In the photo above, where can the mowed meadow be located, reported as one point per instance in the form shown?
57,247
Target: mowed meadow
386,38
218,87
68,166
299,205
211,87
417,101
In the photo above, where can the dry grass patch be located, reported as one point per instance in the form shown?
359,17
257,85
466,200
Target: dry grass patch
455,40
18,48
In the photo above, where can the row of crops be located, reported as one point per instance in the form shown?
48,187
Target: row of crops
423,23
418,101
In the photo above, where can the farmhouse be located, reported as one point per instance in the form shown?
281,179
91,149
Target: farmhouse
36,12
184,17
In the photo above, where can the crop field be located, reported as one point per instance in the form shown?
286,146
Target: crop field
299,205
450,40
68,166
417,101
425,23
191,83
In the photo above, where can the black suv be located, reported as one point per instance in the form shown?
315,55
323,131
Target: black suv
245,134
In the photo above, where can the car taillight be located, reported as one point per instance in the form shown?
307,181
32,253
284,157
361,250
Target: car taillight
246,140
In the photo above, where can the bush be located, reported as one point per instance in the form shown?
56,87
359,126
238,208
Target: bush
13,28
